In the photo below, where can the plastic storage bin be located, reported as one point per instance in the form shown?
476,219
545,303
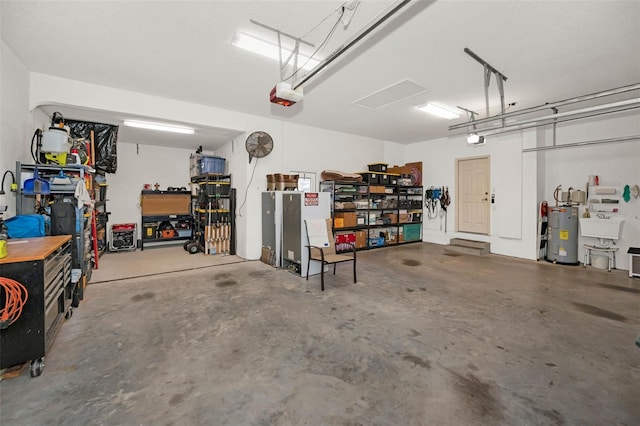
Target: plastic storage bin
412,232
202,164
377,167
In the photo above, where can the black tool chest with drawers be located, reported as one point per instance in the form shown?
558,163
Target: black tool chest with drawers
43,266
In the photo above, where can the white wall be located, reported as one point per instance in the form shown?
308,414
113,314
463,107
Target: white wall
616,162
15,120
296,147
513,224
139,165
520,180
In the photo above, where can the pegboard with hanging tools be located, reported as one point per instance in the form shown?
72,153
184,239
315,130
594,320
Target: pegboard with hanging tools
436,202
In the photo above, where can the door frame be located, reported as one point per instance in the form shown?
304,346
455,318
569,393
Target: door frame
458,198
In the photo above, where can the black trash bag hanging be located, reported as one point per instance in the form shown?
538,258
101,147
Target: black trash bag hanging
105,137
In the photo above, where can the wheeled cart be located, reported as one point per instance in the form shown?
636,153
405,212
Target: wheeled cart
43,266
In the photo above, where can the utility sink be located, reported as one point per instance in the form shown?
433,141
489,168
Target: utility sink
607,229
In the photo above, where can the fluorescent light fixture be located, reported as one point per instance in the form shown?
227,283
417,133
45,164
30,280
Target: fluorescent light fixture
439,111
159,126
270,50
475,139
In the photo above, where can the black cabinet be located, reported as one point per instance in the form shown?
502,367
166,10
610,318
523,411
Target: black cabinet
43,266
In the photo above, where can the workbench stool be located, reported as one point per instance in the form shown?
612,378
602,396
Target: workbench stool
610,251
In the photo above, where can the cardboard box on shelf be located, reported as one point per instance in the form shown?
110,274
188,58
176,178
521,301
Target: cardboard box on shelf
361,239
392,216
348,219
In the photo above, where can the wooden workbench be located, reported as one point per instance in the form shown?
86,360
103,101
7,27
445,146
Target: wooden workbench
38,248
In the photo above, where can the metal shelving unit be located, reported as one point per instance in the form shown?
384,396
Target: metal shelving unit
84,240
374,215
214,215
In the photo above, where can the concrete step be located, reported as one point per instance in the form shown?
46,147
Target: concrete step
470,243
465,250
462,246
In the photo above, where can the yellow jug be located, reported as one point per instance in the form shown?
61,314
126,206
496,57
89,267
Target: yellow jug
3,249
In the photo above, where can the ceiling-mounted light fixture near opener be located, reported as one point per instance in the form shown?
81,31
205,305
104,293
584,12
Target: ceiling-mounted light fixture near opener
475,139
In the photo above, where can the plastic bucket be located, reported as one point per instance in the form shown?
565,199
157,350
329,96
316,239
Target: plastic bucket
599,261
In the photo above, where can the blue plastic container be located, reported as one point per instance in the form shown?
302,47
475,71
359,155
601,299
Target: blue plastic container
211,165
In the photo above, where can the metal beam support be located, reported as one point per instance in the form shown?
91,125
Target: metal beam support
585,143
563,117
260,24
284,64
487,82
485,63
551,105
356,38
488,70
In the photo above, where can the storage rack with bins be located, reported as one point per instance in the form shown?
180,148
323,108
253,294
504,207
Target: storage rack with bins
161,208
372,215
213,214
90,241
99,195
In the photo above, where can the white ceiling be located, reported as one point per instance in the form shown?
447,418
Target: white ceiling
548,50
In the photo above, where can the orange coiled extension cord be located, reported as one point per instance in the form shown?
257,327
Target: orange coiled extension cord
14,296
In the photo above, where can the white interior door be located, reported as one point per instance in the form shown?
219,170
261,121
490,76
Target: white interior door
473,195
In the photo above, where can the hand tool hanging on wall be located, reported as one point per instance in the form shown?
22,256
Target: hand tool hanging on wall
431,201
445,200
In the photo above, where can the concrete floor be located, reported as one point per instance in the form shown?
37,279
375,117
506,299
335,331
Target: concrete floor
422,339
153,260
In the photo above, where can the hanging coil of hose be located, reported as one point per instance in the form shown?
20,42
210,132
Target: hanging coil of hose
13,296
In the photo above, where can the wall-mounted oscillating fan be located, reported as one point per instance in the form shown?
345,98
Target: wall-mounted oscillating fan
259,144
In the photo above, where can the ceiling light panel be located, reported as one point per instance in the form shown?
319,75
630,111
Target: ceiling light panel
159,126
270,50
440,111
389,95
